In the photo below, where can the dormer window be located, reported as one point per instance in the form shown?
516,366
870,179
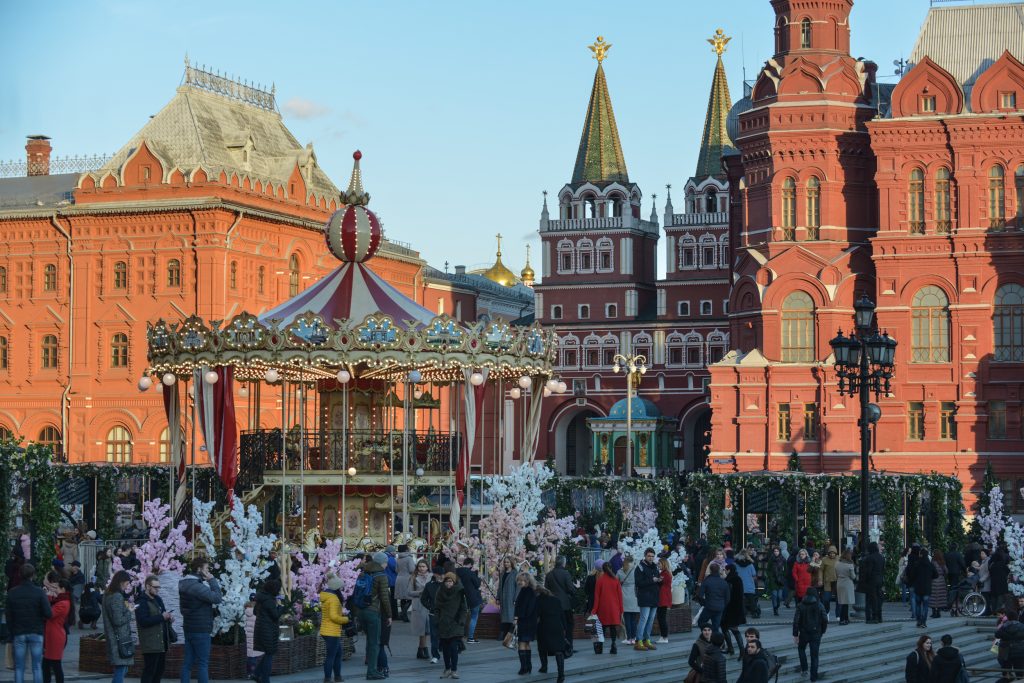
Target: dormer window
927,104
1008,100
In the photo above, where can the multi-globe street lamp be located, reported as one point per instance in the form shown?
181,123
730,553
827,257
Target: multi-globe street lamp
864,362
635,366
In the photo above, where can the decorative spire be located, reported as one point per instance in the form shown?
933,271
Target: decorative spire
668,205
355,195
600,155
715,139
544,215
654,209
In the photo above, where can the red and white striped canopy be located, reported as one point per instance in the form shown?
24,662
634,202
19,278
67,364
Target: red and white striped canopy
352,291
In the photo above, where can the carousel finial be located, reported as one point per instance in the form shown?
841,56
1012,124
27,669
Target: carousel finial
355,195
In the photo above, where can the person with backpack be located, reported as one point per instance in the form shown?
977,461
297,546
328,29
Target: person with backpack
89,612
756,666
55,636
919,662
697,652
470,581
809,624
948,662
372,597
452,616
198,592
428,602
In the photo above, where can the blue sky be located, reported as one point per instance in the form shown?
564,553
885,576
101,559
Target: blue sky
464,111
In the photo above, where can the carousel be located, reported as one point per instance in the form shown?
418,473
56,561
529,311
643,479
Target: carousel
364,408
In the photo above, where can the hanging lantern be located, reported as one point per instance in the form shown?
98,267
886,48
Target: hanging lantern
551,385
515,392
476,379
547,392
271,376
414,376
145,383
210,377
562,386
169,378
344,376
524,382
244,392
418,393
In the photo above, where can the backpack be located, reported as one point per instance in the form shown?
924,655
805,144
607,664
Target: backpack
362,594
774,664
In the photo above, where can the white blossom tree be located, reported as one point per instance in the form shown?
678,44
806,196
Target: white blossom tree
521,490
246,565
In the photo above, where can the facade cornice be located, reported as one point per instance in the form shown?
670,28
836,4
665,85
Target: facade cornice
611,285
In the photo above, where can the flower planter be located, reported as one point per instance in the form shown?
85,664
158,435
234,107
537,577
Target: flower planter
227,662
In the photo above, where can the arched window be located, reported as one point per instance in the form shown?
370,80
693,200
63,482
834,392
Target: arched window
915,202
293,275
119,445
165,445
1018,180
798,328
120,275
565,256
996,198
585,255
5,357
710,201
930,337
50,278
605,260
788,209
50,436
174,273
3,280
49,352
5,434
687,253
261,276
234,275
805,33
723,249
119,350
813,207
942,220
1008,323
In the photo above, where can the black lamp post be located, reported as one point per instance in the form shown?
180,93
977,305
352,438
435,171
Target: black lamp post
864,363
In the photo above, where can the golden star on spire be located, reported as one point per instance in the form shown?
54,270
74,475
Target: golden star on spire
600,49
719,41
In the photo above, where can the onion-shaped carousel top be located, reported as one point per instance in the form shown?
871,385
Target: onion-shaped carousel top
353,320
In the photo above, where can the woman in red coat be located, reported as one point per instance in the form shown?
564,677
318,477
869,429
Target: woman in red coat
801,574
608,603
664,598
55,635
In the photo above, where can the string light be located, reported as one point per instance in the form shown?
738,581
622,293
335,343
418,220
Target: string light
169,379
210,377
515,393
145,383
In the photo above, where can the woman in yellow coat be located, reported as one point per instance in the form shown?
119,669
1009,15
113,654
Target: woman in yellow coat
332,618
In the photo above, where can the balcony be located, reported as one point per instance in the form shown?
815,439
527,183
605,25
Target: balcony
604,223
319,457
712,218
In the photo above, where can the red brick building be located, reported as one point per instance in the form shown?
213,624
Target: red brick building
911,196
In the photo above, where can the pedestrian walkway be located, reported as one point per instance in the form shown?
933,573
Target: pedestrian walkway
856,653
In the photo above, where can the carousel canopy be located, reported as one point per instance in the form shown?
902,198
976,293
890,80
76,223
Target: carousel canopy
352,320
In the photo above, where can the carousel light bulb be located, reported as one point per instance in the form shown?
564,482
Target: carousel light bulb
271,376
344,376
515,393
562,386
211,377
476,379
524,382
192,391
551,385
419,471
145,383
547,392
159,387
415,376
351,471
244,392
169,378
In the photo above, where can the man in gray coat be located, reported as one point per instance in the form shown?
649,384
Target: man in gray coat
198,592
559,582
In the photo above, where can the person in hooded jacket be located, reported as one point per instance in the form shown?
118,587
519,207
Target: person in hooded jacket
872,574
948,662
755,664
1011,636
699,649
452,616
920,574
332,619
801,575
713,666
747,571
829,578
734,615
809,625
268,611
377,615
608,603
551,636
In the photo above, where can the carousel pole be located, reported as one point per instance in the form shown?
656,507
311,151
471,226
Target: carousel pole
301,401
407,408
284,463
192,449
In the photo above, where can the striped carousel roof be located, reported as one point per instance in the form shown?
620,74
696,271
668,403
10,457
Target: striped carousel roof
352,291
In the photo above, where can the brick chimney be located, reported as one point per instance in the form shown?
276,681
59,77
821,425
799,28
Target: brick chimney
38,150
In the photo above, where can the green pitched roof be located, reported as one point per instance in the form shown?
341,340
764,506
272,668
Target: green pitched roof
715,140
600,155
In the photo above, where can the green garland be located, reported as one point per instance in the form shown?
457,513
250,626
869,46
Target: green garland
816,532
892,538
913,521
8,449
693,510
667,505
37,468
716,507
938,520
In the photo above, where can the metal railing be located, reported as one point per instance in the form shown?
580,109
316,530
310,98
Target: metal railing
709,218
17,168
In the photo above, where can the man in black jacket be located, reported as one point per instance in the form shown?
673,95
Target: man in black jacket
471,585
427,598
154,622
755,664
648,588
559,582
955,566
810,621
27,611
872,574
198,592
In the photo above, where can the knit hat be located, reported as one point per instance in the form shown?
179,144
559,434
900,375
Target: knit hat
58,564
390,550
598,564
380,558
334,583
76,563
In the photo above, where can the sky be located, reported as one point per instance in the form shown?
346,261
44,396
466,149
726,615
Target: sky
464,110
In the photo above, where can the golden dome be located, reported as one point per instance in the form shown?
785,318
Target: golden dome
498,272
527,274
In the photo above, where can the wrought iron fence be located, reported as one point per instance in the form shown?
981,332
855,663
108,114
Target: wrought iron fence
16,168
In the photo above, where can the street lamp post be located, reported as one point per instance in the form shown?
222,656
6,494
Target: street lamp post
864,362
635,367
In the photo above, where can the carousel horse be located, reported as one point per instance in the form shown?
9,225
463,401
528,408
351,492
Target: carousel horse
312,543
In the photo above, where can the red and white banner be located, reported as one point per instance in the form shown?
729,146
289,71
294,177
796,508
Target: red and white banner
215,404
172,408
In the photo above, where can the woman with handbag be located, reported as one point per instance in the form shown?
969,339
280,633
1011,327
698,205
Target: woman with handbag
608,603
551,638
697,652
418,614
55,634
117,625
630,607
268,630
452,617
526,619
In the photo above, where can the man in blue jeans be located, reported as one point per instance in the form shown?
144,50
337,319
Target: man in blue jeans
648,587
27,612
474,600
714,595
198,592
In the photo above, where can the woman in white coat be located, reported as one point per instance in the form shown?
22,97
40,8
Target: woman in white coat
846,582
630,608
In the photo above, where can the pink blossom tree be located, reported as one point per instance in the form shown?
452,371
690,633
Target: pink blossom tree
164,546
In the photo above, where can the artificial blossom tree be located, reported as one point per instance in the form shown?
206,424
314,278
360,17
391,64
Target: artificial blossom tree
164,546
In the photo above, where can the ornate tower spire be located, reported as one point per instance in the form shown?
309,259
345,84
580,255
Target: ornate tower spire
355,194
716,137
600,155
